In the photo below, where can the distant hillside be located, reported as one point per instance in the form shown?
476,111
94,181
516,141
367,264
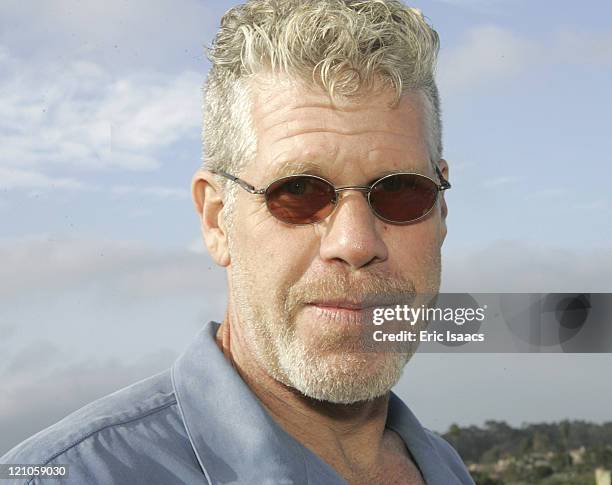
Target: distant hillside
568,452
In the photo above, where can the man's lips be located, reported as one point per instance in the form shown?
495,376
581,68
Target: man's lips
341,305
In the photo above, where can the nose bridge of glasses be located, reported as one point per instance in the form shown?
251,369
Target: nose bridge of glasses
344,188
338,191
360,188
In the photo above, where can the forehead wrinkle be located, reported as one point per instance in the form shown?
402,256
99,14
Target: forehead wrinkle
293,100
300,132
291,126
377,155
327,131
361,115
321,157
315,153
311,166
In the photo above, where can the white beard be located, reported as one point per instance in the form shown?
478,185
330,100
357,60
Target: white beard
314,368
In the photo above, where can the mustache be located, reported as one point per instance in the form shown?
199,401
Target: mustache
370,289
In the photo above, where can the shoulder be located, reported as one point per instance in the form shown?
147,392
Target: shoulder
449,456
127,421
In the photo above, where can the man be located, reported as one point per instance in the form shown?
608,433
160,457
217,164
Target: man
322,195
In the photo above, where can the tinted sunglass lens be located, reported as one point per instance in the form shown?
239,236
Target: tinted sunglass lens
403,197
300,200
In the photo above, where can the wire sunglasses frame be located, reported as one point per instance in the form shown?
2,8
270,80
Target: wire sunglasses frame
365,189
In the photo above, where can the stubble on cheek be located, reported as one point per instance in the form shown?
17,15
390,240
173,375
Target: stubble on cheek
257,297
270,305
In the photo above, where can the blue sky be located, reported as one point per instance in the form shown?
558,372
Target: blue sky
102,275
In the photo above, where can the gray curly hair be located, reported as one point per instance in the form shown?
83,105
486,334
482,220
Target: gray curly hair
342,46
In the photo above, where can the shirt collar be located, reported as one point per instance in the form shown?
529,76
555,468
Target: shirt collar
236,440
433,467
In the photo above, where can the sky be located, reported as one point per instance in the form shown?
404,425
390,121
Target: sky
104,279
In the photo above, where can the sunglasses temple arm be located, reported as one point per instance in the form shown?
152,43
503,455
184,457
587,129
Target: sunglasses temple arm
444,184
245,185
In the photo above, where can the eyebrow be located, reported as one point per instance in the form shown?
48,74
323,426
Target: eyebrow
310,167
293,167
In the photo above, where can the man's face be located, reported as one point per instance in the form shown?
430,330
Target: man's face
290,285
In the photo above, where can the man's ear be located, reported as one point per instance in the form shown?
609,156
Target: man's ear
208,200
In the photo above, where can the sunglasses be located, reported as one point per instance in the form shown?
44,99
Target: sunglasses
397,198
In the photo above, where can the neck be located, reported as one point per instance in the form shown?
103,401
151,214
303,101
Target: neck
347,436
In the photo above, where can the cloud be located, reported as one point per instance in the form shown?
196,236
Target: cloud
43,370
469,389
155,191
486,6
80,319
487,53
128,270
593,205
515,266
121,36
579,47
7,331
11,178
82,118
492,53
497,182
89,86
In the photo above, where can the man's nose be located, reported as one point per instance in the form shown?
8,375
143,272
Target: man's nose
351,233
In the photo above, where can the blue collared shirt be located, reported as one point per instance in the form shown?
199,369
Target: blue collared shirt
199,423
